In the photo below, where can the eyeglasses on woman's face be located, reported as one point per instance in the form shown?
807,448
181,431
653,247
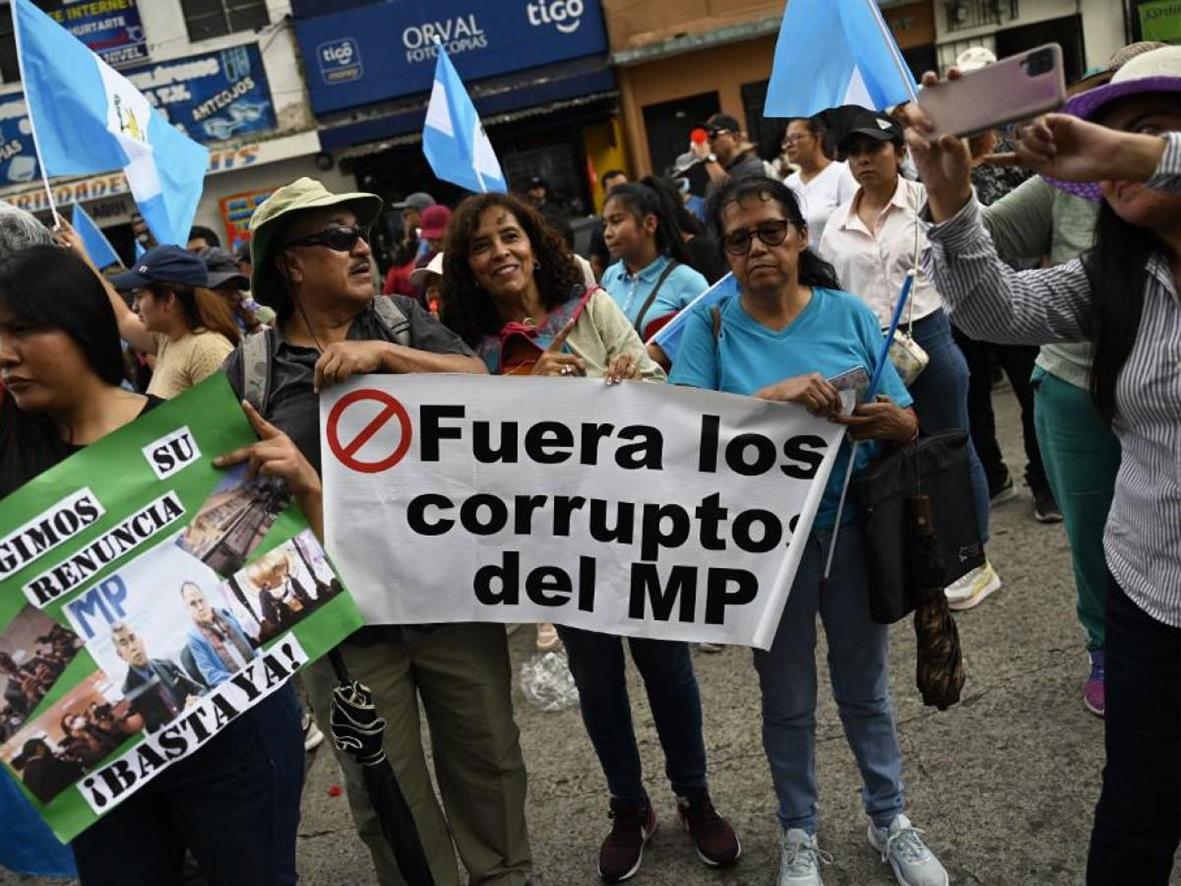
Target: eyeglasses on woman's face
771,233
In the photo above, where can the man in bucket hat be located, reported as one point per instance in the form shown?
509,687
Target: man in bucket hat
311,262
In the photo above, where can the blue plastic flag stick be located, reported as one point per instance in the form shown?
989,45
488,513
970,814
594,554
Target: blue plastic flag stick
874,381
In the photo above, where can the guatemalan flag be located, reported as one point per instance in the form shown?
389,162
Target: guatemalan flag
832,53
98,247
453,139
88,119
669,336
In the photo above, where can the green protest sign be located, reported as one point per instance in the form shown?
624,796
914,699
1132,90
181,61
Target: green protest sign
147,598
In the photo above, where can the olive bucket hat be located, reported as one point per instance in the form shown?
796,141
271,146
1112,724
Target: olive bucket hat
270,220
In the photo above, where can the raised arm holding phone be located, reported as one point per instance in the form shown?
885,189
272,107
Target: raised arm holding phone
1120,145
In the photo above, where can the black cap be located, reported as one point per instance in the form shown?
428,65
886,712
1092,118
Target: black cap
223,269
164,264
872,124
538,182
721,121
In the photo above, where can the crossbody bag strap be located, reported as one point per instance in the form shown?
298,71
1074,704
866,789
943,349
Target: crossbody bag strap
639,324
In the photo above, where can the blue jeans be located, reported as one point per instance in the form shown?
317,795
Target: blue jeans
597,663
941,398
234,804
858,661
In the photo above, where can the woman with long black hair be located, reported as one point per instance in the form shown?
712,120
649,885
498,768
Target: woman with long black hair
651,277
789,332
704,256
235,802
1121,296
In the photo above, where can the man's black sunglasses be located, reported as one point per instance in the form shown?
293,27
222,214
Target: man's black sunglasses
341,238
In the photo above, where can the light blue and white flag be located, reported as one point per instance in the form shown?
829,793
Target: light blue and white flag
87,118
98,247
453,139
669,335
832,53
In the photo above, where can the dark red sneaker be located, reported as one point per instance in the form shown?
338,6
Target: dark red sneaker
622,852
715,840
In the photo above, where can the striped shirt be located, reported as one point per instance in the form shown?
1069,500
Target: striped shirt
989,300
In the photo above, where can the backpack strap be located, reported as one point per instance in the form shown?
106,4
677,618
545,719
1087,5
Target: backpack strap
256,369
392,320
669,268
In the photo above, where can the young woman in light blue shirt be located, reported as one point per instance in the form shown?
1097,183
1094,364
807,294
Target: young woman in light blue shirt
651,277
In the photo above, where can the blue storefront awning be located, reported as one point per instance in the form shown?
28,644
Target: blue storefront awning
539,86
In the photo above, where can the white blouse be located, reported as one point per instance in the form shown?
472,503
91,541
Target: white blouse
872,266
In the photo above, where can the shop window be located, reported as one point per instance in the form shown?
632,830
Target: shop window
9,69
1067,32
766,133
215,18
555,163
668,125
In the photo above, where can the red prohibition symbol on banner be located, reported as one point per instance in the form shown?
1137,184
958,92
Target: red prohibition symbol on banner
346,452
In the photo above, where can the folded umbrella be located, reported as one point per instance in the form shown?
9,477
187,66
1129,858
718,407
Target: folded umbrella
358,730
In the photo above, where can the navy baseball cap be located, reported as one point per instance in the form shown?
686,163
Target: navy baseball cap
164,264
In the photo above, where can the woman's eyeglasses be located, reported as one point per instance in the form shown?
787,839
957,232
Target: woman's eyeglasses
772,233
341,238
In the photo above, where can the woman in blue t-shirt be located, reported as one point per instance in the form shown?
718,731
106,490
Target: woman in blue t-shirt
788,332
651,277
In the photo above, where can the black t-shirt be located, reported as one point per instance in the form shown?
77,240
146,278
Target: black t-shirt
293,406
31,444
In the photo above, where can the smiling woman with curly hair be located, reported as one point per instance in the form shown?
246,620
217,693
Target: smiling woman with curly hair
469,310
512,290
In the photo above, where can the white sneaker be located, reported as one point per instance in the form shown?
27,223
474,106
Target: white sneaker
971,589
312,736
913,863
800,859
711,647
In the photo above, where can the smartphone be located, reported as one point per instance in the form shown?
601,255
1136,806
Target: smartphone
1014,88
853,386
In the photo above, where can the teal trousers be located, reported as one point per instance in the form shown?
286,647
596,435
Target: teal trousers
1082,456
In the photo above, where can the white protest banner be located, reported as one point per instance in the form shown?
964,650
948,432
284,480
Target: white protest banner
637,509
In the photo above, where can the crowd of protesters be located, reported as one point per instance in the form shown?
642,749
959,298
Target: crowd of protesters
1077,255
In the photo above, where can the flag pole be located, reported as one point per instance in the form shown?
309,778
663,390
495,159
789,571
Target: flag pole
20,62
892,47
870,394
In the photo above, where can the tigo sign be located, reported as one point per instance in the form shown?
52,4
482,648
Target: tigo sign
340,60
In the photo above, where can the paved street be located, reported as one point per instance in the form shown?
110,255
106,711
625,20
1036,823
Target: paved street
1003,784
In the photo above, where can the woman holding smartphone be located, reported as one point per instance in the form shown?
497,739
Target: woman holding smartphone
1122,297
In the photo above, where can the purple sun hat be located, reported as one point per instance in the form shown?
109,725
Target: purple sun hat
1156,71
